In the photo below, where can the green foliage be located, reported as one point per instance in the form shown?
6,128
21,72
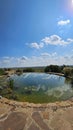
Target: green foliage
9,90
53,68
14,96
68,72
28,70
11,84
18,70
2,72
6,91
72,72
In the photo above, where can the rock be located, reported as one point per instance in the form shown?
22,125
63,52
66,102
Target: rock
45,115
39,120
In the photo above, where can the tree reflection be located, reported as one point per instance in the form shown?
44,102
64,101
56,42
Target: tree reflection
67,80
72,82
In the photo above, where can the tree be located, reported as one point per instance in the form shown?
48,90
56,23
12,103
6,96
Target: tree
67,71
53,68
2,72
72,72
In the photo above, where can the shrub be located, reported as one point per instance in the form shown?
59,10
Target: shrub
28,70
2,72
53,68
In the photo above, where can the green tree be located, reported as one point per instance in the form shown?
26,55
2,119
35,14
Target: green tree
2,72
53,68
67,72
72,72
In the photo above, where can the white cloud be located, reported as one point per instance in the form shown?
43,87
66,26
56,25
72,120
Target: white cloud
45,54
43,60
50,40
6,60
36,45
24,58
63,22
54,54
56,40
72,56
70,40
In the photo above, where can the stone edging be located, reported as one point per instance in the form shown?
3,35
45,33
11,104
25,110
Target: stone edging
53,106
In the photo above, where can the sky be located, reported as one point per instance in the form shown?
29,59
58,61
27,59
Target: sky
36,32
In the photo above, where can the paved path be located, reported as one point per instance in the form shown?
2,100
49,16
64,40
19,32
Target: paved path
24,116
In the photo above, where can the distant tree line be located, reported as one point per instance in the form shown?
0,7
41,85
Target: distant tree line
20,71
28,70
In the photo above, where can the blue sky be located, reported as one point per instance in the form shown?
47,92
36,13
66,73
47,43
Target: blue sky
36,32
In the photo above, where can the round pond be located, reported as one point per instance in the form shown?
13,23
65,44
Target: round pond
41,87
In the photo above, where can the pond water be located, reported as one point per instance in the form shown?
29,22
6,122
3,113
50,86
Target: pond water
45,85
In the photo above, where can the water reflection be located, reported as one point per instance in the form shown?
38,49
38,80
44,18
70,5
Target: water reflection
69,81
51,85
72,83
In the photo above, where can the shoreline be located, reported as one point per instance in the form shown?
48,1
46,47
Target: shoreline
57,104
59,74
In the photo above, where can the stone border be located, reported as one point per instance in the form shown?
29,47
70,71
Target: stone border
53,106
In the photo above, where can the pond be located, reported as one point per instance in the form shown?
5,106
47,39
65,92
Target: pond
42,87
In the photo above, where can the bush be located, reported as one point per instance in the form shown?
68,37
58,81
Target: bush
14,97
68,72
2,72
53,68
28,70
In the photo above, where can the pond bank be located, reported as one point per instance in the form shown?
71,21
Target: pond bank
57,104
59,74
